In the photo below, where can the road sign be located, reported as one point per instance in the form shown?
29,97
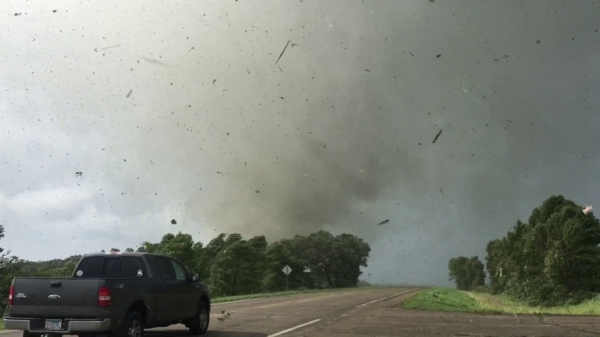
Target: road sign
286,270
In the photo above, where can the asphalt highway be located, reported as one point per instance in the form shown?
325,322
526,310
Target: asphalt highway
361,313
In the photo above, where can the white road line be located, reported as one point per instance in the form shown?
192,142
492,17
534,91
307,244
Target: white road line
6,331
294,328
385,298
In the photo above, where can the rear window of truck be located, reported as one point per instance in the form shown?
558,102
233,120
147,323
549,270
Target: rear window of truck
90,267
111,267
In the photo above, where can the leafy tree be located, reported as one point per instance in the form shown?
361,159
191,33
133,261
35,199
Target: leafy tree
237,269
278,255
553,259
468,273
208,256
10,267
319,260
180,247
1,236
232,265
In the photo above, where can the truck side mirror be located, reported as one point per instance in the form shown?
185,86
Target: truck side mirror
195,278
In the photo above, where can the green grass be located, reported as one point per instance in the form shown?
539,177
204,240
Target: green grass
286,293
1,324
442,299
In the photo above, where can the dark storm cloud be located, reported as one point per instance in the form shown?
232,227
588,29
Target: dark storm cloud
316,141
344,139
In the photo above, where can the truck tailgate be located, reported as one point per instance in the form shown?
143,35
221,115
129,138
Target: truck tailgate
59,297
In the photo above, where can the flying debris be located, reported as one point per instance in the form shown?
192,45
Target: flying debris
78,174
383,222
111,46
441,190
436,137
224,315
284,48
588,209
129,93
173,222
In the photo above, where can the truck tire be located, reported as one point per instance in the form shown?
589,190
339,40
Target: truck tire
198,325
134,325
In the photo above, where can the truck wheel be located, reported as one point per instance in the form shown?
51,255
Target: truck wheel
134,325
199,323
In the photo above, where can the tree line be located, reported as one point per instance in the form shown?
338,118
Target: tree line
232,265
553,259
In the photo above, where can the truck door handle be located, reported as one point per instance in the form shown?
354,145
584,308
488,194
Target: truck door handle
120,286
55,284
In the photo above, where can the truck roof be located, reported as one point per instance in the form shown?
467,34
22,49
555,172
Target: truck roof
117,253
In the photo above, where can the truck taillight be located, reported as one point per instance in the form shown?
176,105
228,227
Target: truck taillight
104,297
11,295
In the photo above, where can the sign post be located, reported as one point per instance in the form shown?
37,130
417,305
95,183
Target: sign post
286,270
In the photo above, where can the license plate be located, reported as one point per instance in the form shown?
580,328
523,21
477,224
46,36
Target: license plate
53,324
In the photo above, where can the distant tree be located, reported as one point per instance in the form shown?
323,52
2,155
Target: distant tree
1,236
237,269
148,247
467,273
319,260
278,255
232,265
208,256
180,247
198,251
353,253
10,267
115,250
129,250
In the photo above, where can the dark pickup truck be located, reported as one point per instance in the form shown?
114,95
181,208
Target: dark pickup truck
110,294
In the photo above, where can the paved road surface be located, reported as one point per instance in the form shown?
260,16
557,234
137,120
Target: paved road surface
368,313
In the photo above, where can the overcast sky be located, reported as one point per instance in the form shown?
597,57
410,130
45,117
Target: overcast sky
180,110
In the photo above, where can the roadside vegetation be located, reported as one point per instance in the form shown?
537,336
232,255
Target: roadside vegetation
452,300
553,260
235,268
549,265
1,324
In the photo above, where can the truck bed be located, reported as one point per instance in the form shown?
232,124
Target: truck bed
55,297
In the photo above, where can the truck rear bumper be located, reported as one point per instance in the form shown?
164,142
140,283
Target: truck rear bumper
72,326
